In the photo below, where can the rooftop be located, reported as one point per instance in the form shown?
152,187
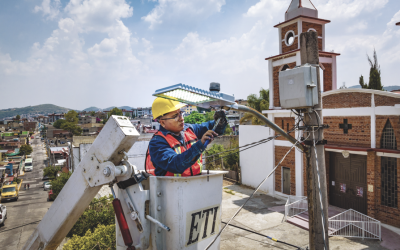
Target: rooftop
301,7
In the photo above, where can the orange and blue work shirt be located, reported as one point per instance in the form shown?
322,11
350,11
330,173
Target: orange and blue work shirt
165,159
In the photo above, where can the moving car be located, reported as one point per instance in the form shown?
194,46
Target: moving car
28,165
46,185
3,214
10,192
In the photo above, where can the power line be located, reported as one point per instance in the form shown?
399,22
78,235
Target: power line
251,196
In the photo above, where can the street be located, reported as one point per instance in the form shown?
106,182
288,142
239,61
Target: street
25,214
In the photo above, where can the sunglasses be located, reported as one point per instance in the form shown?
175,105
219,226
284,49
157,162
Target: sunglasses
175,117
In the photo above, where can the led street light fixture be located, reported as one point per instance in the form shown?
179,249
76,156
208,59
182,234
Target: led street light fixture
194,96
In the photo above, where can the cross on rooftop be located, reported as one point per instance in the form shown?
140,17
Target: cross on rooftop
345,126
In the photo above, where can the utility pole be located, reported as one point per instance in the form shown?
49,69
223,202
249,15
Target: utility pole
317,223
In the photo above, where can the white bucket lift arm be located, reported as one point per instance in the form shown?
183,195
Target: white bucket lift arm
98,167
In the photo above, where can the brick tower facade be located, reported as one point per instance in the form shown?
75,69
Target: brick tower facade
301,16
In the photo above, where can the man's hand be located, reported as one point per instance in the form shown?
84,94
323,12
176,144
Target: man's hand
209,135
222,123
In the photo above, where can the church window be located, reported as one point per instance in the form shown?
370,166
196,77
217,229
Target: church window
285,67
389,181
388,168
388,139
289,38
312,30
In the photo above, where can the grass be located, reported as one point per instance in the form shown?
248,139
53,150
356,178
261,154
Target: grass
229,192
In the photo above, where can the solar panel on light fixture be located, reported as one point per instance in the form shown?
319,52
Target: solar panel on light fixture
194,96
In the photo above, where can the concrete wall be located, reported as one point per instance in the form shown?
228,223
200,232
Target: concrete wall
256,163
137,154
225,140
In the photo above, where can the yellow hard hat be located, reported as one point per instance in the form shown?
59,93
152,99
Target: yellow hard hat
162,106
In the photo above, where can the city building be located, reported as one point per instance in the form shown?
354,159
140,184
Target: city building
87,119
55,117
142,112
188,109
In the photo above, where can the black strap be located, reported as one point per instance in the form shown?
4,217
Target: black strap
136,179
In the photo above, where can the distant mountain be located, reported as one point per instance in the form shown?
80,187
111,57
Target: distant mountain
32,110
122,107
92,109
387,88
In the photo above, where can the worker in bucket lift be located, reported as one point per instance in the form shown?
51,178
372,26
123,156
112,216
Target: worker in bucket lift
176,150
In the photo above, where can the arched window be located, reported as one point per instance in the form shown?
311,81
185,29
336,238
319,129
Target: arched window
388,139
285,67
388,168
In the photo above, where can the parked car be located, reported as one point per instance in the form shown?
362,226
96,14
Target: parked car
3,214
42,139
46,185
10,192
45,178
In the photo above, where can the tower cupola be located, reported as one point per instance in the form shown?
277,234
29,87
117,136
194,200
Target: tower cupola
301,8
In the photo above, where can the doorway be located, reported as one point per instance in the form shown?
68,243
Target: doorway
286,180
348,182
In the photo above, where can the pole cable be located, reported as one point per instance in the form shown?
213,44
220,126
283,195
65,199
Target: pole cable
251,196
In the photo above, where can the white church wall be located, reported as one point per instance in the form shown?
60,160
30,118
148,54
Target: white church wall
256,163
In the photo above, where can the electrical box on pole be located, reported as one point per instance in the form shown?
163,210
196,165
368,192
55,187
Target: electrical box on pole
298,87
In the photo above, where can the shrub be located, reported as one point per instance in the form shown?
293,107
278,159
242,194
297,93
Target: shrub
51,171
103,237
58,184
231,158
99,212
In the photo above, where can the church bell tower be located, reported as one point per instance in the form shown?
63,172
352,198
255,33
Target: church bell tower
301,16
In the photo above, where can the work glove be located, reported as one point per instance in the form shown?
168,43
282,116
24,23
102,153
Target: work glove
220,129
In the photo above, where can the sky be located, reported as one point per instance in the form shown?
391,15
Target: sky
102,53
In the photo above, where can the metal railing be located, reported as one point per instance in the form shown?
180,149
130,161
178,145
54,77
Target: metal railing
351,223
295,205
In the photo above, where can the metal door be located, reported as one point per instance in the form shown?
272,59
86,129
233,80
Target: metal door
286,180
348,182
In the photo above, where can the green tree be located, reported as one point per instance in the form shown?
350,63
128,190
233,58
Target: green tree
258,103
214,162
228,130
209,116
115,111
59,123
71,117
99,212
51,171
363,84
25,149
58,184
103,237
194,118
18,117
374,74
93,113
231,160
72,128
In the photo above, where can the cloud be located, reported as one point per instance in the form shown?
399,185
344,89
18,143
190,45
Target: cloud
50,8
64,58
175,11
346,9
268,8
361,25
